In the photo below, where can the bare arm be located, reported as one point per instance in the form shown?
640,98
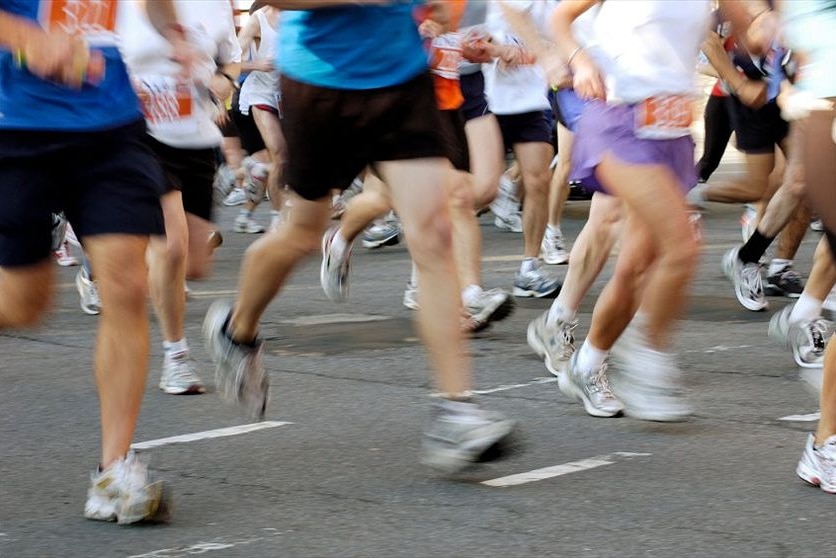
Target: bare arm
16,31
587,80
248,34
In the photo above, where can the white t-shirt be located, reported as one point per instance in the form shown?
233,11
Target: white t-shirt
648,48
516,89
262,88
179,113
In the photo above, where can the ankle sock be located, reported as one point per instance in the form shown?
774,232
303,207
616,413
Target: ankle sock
558,312
175,348
590,358
528,265
805,308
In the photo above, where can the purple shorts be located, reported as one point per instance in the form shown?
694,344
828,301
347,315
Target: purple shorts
606,128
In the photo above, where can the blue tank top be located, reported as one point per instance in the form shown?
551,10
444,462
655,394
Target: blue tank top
30,103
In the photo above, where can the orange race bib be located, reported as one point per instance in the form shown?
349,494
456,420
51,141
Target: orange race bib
168,104
667,117
446,55
95,19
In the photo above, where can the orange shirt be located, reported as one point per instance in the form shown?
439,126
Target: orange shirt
445,56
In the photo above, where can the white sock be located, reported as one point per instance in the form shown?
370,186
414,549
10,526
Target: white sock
470,294
559,312
529,264
175,348
805,308
339,245
777,265
413,279
555,230
590,358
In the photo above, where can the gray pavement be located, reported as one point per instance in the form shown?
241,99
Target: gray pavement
342,478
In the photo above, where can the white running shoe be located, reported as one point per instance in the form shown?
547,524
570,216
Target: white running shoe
553,248
818,464
382,233
747,280
590,388
247,225
816,225
179,376
511,223
461,434
88,293
555,345
410,296
240,376
223,183
806,339
536,283
492,305
236,197
649,382
126,493
830,302
334,272
64,256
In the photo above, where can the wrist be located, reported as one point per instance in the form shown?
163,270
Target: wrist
174,32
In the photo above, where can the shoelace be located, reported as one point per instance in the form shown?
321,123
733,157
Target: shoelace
567,333
752,280
790,278
818,331
601,383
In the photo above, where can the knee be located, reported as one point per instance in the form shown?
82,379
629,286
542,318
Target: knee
536,184
430,239
27,311
123,288
461,195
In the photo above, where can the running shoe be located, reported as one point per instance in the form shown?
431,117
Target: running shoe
460,434
511,223
787,282
492,305
334,272
383,233
215,239
223,183
649,382
553,248
88,293
64,257
818,464
180,377
506,206
59,230
247,225
410,296
535,283
748,221
806,339
747,280
127,493
590,388
830,302
239,373
555,345
816,225
236,197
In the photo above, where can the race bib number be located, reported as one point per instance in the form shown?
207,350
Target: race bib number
446,55
664,117
168,104
94,19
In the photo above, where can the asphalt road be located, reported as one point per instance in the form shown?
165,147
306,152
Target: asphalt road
336,472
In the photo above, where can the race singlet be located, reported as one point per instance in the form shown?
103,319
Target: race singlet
667,117
168,104
446,55
94,19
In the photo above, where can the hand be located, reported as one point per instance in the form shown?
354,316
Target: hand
221,115
478,50
751,93
430,29
587,80
220,87
712,46
557,72
59,57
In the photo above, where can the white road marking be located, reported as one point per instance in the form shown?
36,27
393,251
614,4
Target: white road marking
334,319
506,387
217,433
199,548
812,417
558,470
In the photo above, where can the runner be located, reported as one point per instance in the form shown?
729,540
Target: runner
180,116
73,140
339,91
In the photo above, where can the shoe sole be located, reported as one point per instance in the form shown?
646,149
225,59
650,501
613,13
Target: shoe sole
568,387
555,261
774,290
498,313
388,241
157,509
191,390
323,273
805,473
527,293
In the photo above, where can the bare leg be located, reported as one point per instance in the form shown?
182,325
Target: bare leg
827,422
365,207
559,186
26,293
122,346
533,160
422,204
467,238
271,133
487,159
167,273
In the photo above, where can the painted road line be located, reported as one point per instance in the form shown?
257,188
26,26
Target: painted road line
507,387
812,417
334,319
559,470
217,433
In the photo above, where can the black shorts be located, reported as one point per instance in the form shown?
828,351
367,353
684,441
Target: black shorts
757,130
192,172
528,127
473,90
454,139
251,140
333,134
106,182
